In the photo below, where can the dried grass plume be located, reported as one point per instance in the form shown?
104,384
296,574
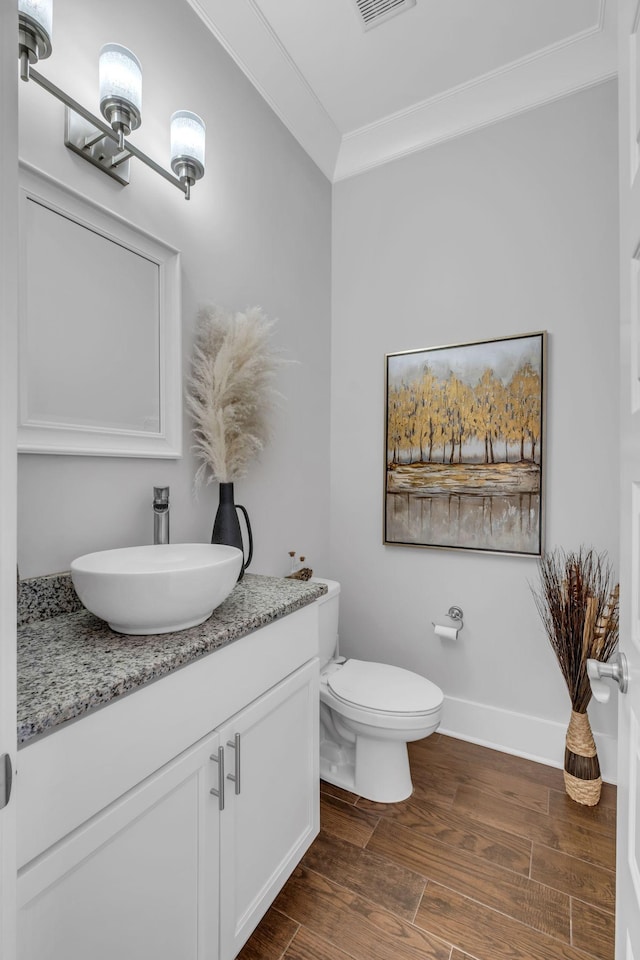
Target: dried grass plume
230,392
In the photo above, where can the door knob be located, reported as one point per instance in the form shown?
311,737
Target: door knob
616,669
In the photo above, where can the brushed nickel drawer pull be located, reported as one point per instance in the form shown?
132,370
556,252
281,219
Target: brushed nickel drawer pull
219,793
235,776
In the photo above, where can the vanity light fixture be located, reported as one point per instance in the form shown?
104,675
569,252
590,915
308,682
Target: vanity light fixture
187,147
35,22
105,144
120,89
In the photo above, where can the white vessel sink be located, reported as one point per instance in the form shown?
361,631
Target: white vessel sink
156,589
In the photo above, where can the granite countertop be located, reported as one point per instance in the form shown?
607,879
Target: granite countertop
72,662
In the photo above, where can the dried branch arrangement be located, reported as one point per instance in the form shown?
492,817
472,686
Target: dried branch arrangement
578,605
231,392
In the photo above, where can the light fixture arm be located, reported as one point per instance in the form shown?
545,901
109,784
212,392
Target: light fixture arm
63,97
27,72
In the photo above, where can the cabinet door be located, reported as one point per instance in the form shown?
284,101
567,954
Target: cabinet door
138,880
268,823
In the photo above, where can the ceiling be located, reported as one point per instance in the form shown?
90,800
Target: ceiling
358,98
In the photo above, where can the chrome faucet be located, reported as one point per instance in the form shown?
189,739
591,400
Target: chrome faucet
161,514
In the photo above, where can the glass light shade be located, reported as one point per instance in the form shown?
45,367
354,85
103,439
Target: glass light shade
40,11
120,77
35,20
187,140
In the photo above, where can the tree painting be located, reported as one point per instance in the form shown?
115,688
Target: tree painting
464,443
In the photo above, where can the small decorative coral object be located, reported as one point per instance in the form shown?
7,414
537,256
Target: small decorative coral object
578,605
230,398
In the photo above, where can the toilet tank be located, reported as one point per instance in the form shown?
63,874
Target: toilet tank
328,606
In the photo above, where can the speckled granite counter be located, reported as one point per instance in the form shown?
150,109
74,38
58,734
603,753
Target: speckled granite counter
72,663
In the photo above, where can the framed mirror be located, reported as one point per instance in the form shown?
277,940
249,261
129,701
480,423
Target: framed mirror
100,369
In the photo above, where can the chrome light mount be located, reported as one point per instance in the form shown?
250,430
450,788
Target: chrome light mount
34,43
93,144
123,117
187,170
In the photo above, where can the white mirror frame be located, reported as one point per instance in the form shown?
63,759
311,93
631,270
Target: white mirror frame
79,439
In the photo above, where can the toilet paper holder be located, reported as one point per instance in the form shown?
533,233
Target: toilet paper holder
456,615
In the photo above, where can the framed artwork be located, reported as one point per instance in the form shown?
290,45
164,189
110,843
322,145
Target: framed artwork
464,446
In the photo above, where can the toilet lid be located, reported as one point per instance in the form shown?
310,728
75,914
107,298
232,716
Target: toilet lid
379,686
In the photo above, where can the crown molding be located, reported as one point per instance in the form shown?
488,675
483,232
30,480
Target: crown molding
573,64
579,62
244,33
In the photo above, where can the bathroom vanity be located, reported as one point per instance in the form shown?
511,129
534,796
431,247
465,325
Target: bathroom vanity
164,823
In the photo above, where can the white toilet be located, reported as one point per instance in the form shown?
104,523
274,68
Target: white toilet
368,714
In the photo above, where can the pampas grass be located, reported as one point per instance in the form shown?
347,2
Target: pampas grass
231,392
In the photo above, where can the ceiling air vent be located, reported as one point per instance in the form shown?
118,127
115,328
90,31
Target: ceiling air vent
374,12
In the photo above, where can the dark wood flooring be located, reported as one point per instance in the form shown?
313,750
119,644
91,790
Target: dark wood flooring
488,859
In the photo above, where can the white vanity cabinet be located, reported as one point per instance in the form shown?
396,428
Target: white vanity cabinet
167,868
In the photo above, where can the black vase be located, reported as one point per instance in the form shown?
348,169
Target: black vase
226,526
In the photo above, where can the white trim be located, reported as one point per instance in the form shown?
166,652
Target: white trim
291,64
242,30
632,806
507,69
452,134
37,436
520,734
532,82
572,64
8,458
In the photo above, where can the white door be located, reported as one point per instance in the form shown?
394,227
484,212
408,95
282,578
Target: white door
8,396
628,854
271,807
138,880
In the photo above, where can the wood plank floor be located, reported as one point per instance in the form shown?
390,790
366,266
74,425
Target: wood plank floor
488,859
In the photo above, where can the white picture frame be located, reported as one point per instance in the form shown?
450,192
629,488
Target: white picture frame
100,364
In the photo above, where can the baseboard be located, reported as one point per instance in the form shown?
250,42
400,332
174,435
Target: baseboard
519,734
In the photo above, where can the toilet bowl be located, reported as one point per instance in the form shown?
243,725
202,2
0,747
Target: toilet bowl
368,714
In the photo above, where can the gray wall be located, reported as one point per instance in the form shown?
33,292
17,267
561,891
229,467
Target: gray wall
257,231
508,230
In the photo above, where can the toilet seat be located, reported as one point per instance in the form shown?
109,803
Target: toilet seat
383,689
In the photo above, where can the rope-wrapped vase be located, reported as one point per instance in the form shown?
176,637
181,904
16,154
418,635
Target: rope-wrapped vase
582,778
